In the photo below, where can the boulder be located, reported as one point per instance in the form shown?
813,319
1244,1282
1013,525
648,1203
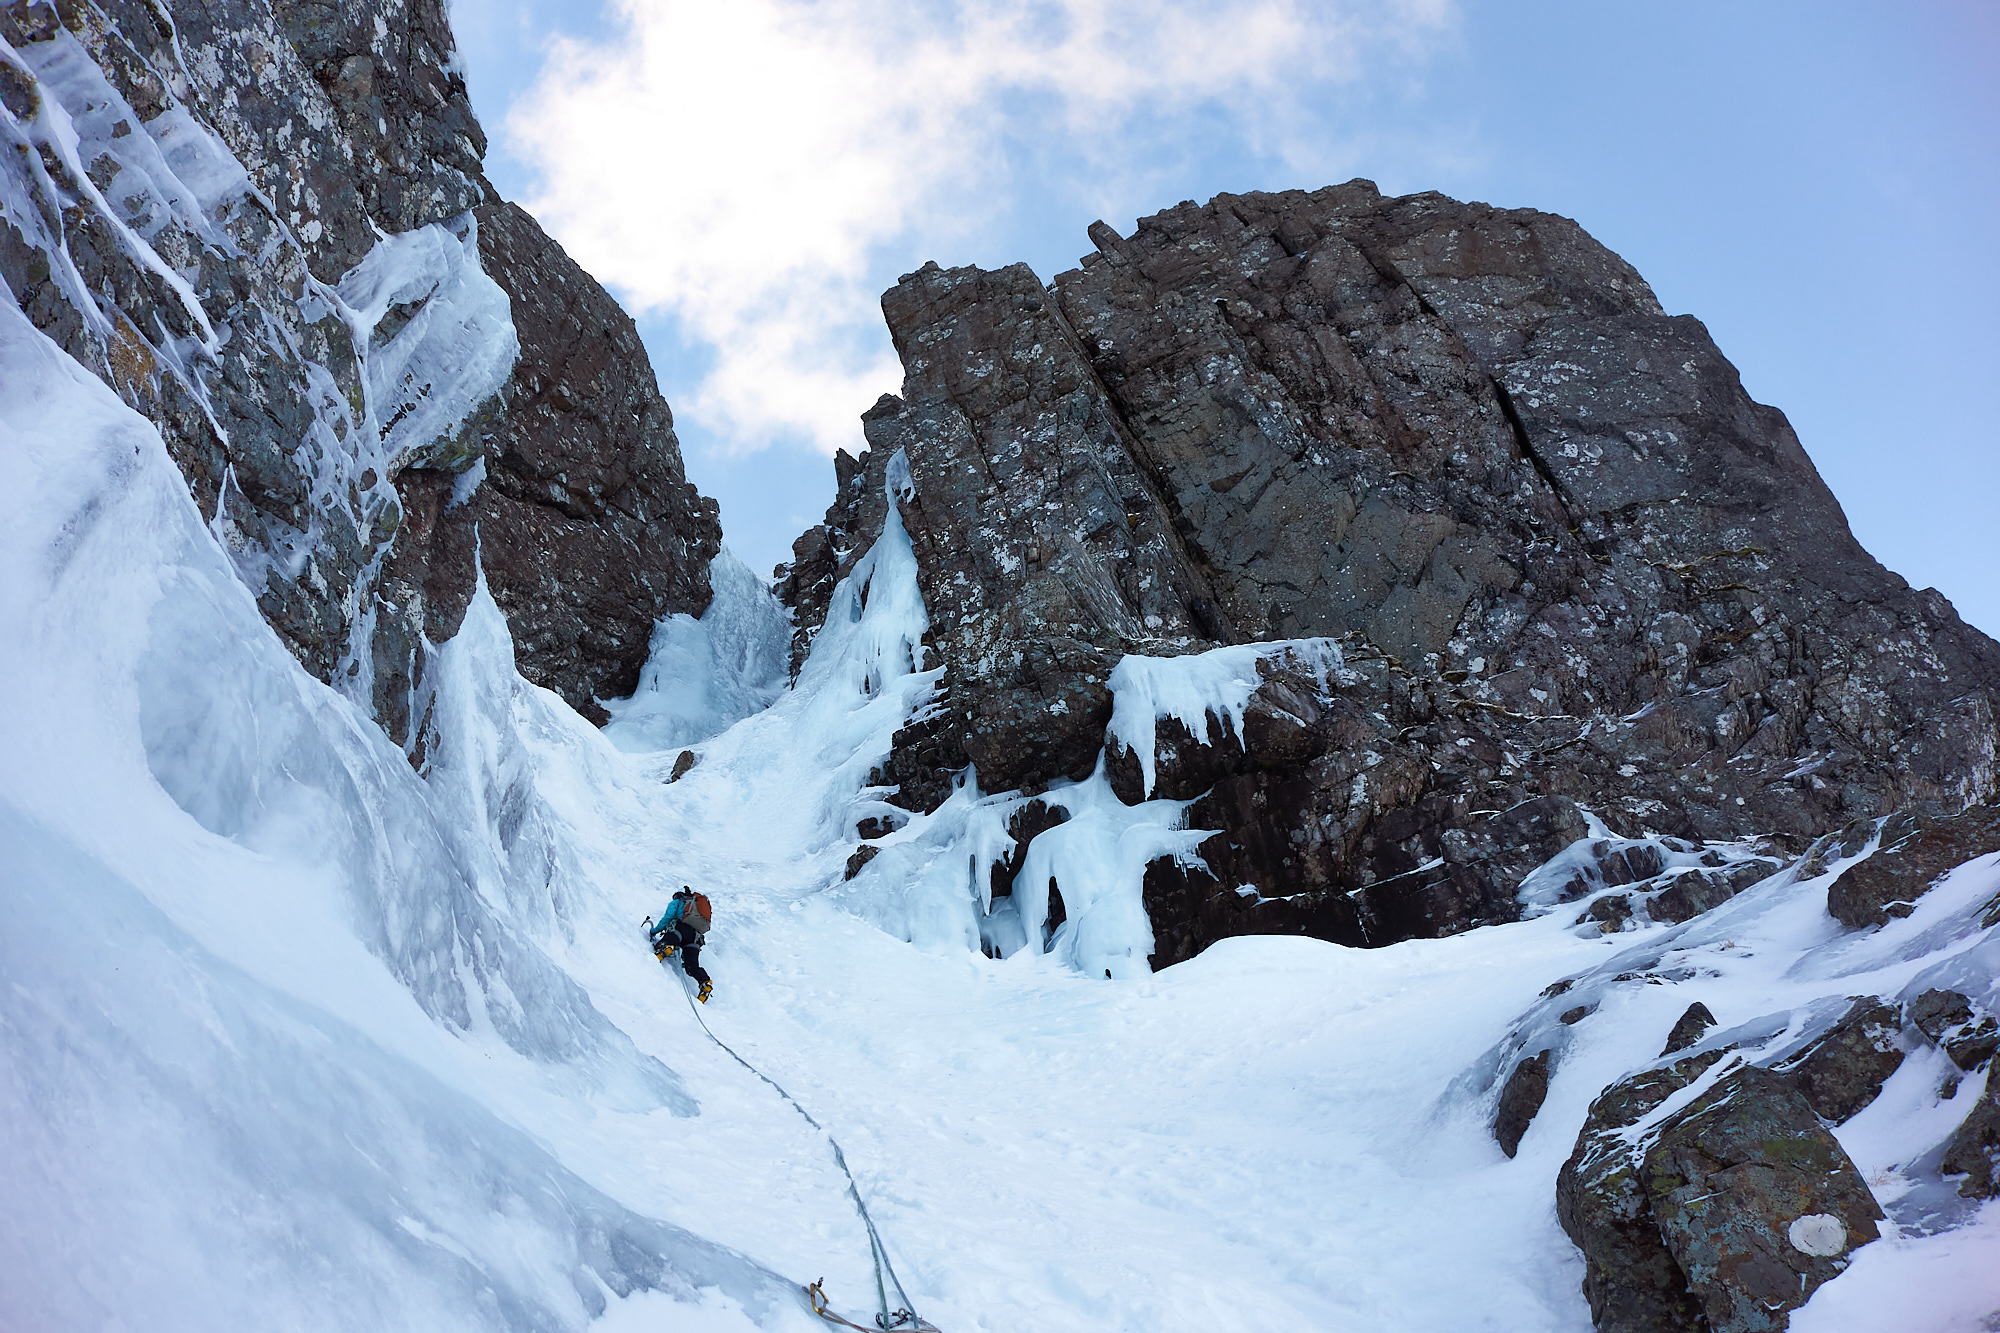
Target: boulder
1723,1216
1755,1200
1688,1028
1938,1013
1844,1069
1631,1280
1527,1087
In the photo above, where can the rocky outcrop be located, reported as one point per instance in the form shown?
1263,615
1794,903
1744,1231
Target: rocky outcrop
588,527
1665,880
1043,548
1723,1216
1913,852
1951,1022
264,224
1688,1028
1708,1187
1566,555
1974,1151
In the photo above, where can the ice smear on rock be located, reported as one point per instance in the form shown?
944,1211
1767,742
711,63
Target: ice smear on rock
1097,858
703,675
454,349
864,679
866,675
1189,688
930,880
176,168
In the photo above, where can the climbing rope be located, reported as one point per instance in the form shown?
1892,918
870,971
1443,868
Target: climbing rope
903,1317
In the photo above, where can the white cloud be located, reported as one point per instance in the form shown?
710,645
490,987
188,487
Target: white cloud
757,169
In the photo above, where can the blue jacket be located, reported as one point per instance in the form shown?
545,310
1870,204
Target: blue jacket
672,914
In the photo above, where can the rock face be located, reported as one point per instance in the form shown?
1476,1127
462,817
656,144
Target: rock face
195,199
1567,557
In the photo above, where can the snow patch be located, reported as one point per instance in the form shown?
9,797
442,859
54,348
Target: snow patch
466,482
1577,871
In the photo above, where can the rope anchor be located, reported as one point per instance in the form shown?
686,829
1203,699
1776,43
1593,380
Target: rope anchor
891,1319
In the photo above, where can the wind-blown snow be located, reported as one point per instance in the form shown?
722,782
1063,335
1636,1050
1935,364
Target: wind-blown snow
294,1037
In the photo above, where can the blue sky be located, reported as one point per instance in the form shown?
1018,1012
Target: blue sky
1817,182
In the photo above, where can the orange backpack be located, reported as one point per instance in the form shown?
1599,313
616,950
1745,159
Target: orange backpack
698,913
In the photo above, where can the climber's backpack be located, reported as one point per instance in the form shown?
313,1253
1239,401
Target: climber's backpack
697,914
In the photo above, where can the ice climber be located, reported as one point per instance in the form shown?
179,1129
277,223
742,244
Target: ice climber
683,926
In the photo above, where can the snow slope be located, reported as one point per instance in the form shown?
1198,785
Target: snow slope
293,1037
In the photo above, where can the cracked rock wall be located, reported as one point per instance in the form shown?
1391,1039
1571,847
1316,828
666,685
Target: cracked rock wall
1569,558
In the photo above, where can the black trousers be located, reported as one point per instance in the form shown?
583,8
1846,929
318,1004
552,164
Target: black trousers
689,941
